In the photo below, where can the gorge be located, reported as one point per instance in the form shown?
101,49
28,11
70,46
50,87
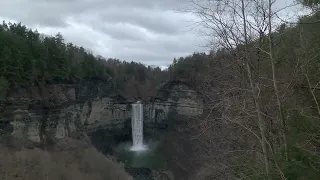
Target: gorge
57,110
246,108
50,113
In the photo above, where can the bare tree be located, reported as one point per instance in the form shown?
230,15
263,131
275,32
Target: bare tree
228,20
244,29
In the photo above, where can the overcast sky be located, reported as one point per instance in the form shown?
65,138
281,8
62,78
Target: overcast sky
147,31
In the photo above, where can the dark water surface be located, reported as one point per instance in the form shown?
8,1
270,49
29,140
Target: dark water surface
150,158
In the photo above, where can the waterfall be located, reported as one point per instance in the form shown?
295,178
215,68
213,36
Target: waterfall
137,127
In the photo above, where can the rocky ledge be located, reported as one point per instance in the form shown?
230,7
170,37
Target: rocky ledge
51,112
54,111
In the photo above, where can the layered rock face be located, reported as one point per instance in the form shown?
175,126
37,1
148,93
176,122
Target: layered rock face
55,111
175,97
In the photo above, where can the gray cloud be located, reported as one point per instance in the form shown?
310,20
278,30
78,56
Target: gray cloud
123,31
157,21
148,31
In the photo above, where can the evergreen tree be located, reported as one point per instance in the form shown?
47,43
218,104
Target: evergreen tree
27,57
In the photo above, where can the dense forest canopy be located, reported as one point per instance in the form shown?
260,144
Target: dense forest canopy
266,90
30,58
311,3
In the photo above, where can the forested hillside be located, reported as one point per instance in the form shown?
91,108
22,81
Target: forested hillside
262,90
30,58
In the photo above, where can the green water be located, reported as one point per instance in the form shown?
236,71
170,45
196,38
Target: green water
151,158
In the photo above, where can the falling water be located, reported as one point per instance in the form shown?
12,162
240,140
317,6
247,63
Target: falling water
137,127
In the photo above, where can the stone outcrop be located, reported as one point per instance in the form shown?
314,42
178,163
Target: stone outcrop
55,111
175,96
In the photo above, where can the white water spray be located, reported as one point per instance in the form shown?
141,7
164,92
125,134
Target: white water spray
137,127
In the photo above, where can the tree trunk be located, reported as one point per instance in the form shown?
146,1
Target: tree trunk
274,79
255,95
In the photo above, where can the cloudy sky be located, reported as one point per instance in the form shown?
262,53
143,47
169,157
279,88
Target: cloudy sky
147,31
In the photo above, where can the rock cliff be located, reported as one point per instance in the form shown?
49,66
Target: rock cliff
56,111
177,96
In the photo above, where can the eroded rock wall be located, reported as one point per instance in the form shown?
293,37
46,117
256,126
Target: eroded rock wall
176,97
55,111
